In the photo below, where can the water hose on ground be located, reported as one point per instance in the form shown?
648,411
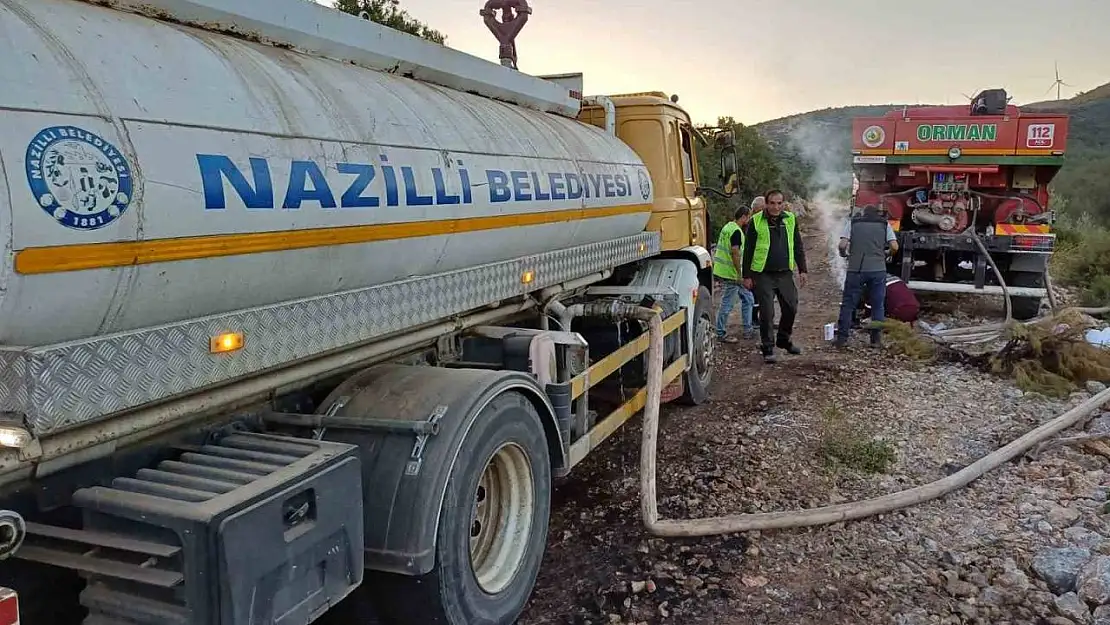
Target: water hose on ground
1052,303
649,506
816,516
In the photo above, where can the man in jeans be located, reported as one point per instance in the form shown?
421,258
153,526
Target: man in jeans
864,243
726,268
772,251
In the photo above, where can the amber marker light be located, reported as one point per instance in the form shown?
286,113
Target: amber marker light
225,343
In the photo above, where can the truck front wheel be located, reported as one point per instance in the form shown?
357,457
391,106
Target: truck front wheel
492,529
697,379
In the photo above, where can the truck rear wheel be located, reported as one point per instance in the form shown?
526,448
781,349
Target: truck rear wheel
1025,308
700,374
492,530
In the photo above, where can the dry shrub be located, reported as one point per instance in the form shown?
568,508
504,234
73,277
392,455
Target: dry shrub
902,339
1052,357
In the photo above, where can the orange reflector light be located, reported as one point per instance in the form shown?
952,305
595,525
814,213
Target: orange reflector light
227,342
1033,242
527,277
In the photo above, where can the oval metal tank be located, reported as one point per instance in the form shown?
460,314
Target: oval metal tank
153,172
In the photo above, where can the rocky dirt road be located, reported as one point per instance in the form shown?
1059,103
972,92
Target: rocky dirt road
805,432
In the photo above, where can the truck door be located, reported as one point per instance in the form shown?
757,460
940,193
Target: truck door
699,229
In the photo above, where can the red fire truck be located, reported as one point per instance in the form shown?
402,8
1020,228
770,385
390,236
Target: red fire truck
962,185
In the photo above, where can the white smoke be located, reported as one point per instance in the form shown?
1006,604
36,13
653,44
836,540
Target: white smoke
823,148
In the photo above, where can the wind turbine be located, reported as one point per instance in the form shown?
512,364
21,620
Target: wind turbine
1058,83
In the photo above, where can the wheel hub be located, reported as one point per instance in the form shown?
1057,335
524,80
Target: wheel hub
501,520
703,349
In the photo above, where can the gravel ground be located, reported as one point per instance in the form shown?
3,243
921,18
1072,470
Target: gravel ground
984,554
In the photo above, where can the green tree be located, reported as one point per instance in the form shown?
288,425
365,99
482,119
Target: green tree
759,170
1084,183
389,13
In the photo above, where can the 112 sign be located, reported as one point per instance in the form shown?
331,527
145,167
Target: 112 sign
1040,135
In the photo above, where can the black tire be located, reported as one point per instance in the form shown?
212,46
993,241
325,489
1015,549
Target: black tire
696,381
451,594
1025,308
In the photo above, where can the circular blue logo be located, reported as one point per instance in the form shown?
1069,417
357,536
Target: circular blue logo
78,178
645,184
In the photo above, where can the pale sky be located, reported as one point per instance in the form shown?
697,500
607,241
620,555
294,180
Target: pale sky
762,59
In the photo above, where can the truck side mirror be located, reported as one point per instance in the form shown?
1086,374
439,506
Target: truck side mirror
729,168
724,139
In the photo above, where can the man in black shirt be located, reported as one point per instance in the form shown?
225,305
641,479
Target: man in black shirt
772,251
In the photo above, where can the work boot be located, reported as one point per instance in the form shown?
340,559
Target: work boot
789,346
877,339
768,354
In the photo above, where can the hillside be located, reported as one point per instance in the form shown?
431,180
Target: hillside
1085,97
816,146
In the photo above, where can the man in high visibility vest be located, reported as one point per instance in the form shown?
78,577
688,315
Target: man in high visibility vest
727,257
758,204
772,251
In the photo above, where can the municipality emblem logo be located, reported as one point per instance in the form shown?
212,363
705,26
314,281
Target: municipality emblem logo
874,136
645,184
78,178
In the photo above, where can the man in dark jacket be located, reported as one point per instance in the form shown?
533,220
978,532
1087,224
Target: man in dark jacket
864,243
772,251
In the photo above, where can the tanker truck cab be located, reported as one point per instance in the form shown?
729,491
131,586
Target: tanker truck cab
270,355
662,135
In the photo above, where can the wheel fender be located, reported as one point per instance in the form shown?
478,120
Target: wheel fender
404,473
701,258
676,274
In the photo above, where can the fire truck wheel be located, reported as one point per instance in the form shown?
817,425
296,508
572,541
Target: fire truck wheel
492,530
1025,308
697,379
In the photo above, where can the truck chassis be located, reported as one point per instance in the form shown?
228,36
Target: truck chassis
242,504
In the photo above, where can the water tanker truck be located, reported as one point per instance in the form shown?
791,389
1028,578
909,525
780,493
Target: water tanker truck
962,185
302,316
